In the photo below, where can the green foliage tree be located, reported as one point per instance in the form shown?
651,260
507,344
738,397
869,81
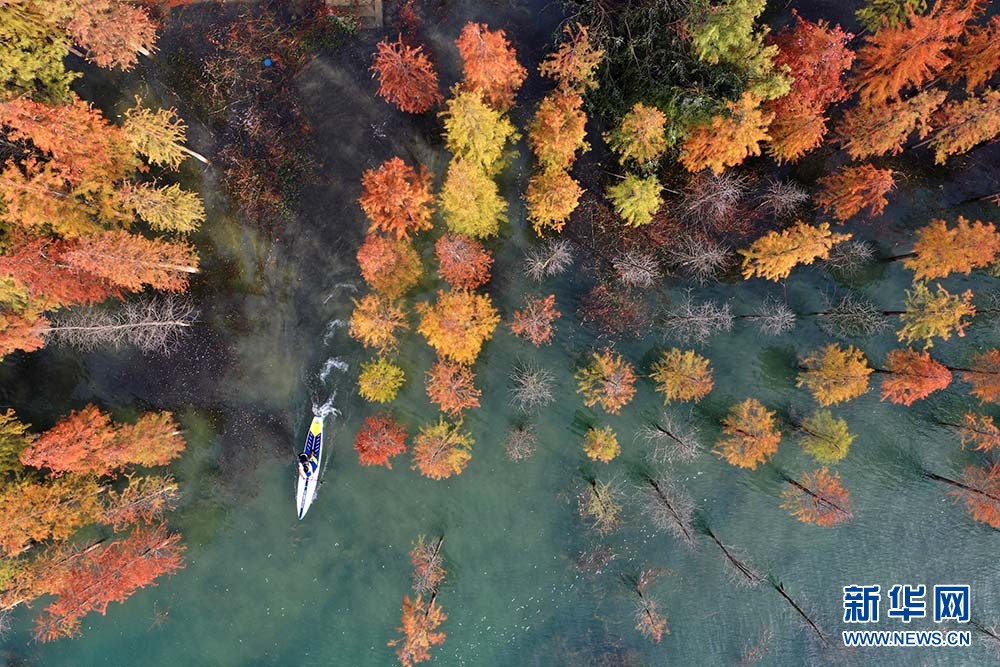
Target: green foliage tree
877,14
825,437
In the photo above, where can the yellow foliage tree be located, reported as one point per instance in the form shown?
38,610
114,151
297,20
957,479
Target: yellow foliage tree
380,380
834,374
641,136
458,323
774,255
965,124
636,199
475,131
601,444
441,450
574,64
934,314
727,139
682,375
471,202
608,379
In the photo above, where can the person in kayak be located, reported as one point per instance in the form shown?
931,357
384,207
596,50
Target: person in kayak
307,465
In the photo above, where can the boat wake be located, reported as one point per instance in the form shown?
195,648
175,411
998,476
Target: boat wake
329,366
326,408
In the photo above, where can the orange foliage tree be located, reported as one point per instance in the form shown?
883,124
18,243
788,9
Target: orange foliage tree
682,375
107,574
21,331
33,512
489,64
940,251
557,131
574,64
112,33
912,375
817,56
451,386
866,131
134,262
962,125
774,255
390,266
910,54
834,374
87,442
397,198
428,566
463,261
419,622
979,431
607,380
441,450
727,139
552,197
145,499
845,193
406,76
820,499
380,439
977,58
751,435
458,323
984,376
375,322
534,321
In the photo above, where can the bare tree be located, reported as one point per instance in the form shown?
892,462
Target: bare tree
711,198
687,321
849,257
636,268
782,198
699,257
774,317
649,620
989,635
532,387
549,259
853,317
599,503
668,507
154,324
521,442
756,651
669,440
739,570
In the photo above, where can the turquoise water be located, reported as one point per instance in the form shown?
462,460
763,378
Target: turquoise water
261,588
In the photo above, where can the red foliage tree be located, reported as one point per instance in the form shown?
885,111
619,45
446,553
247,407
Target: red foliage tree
109,574
534,322
984,376
390,266
912,375
463,261
451,386
489,64
406,76
910,54
817,56
380,439
845,193
397,198
614,311
819,499
87,442
134,262
38,265
980,489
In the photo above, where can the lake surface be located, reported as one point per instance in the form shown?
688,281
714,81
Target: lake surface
261,588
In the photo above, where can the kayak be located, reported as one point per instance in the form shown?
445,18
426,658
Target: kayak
309,482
